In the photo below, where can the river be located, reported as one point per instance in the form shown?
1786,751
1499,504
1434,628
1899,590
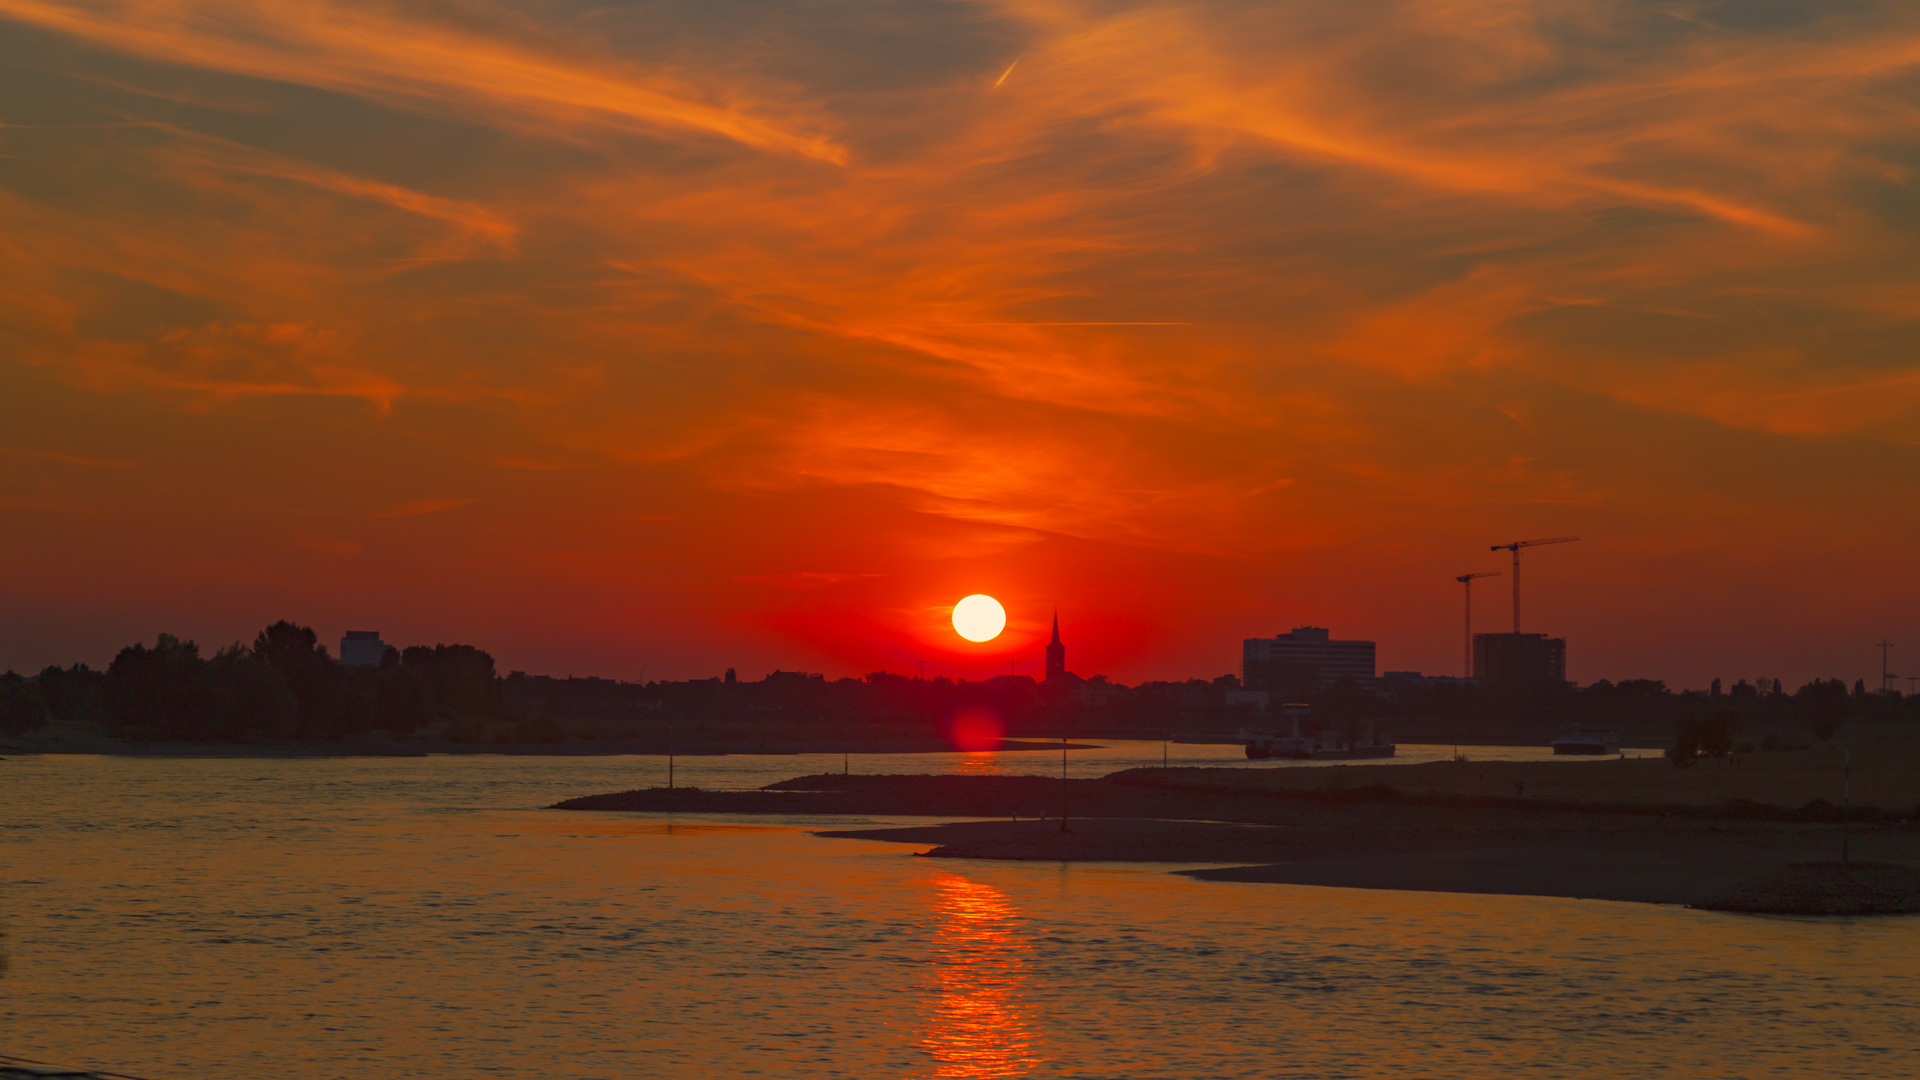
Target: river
181,919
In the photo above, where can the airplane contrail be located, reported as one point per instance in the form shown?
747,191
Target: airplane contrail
1009,71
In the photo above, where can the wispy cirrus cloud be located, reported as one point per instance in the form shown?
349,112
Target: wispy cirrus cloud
1200,280
422,507
800,579
488,72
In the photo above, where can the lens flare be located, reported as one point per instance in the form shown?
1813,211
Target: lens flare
976,731
979,618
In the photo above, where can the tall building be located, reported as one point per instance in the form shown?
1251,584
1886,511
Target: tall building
362,648
1303,659
1056,652
1519,659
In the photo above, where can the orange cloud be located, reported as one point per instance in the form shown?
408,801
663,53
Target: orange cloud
1203,317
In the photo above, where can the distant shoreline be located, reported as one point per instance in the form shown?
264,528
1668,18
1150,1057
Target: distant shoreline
597,748
79,744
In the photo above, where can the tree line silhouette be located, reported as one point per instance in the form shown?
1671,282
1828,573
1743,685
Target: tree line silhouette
285,686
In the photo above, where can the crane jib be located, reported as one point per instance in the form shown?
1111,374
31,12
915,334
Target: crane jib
1515,547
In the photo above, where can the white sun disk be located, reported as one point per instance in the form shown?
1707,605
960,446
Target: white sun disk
979,618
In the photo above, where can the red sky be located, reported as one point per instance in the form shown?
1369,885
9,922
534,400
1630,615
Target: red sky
650,340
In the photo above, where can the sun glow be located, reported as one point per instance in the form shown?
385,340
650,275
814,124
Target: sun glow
979,618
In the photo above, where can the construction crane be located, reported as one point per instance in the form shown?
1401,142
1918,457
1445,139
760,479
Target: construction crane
1515,548
1467,580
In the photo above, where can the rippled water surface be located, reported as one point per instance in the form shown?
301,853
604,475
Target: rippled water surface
422,917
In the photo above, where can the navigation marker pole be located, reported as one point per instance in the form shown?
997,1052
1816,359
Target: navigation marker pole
1063,779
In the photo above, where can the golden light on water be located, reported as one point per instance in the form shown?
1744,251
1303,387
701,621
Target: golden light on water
979,618
977,1023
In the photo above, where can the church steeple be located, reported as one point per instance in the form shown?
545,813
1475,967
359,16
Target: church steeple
1056,652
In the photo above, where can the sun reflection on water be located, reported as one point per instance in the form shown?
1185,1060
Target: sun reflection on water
978,764
976,1021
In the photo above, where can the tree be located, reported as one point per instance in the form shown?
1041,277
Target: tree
71,693
1823,702
461,678
298,655
327,708
245,697
153,691
22,709
404,699
1696,737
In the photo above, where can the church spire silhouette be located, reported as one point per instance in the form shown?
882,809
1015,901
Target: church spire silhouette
1056,652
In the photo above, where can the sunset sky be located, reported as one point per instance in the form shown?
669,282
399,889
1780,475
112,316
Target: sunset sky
647,340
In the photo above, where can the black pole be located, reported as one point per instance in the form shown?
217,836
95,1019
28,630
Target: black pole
1063,780
670,753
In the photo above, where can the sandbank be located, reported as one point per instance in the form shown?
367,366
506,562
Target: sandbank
1294,827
